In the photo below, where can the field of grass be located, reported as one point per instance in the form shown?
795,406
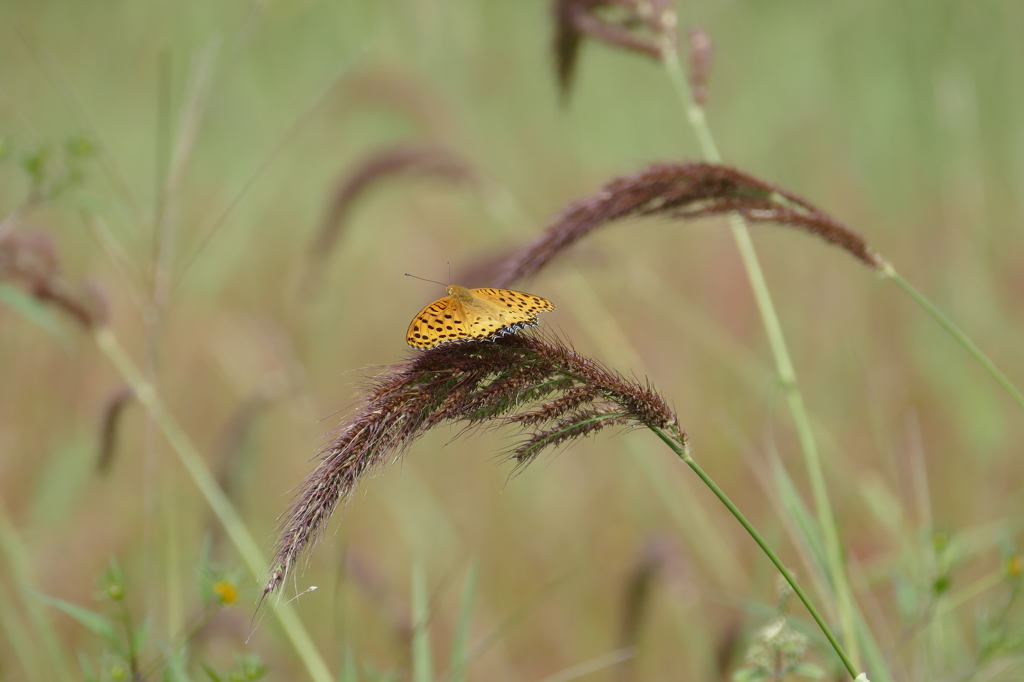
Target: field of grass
182,160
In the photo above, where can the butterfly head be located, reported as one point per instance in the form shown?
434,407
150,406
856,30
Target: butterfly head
460,293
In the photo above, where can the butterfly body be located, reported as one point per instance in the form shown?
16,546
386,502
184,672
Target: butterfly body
474,314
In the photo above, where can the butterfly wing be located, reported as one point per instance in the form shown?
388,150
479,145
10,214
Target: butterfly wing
485,321
514,309
481,314
442,321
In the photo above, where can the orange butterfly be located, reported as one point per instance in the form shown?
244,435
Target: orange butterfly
481,314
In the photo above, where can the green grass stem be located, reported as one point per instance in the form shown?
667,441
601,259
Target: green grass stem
605,330
783,363
684,455
460,643
18,636
593,665
19,567
955,332
214,496
422,665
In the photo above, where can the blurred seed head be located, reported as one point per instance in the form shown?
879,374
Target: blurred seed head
777,647
636,599
422,160
682,190
550,393
30,255
642,26
402,92
110,427
701,56
29,259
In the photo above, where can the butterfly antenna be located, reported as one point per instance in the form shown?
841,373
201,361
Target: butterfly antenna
426,280
449,272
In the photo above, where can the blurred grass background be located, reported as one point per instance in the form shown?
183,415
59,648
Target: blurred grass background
902,119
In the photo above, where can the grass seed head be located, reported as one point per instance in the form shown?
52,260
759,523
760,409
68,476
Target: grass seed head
701,55
29,259
682,190
551,393
400,160
641,26
110,422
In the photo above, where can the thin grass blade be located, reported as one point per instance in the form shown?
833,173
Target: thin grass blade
460,647
96,623
349,669
33,310
422,666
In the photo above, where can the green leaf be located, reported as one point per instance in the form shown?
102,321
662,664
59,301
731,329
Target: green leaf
750,675
808,670
251,667
33,310
35,164
204,572
908,600
804,522
176,669
116,668
94,622
88,672
349,671
141,634
113,582
211,673
80,146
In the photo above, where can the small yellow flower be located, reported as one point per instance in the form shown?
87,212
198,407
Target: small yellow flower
1014,566
226,592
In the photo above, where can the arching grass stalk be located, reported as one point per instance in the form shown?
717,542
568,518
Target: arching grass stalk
955,332
684,454
219,503
539,386
780,352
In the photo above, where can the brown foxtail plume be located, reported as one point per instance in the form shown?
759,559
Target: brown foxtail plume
29,259
399,91
682,190
636,602
109,427
701,54
551,393
400,160
640,26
